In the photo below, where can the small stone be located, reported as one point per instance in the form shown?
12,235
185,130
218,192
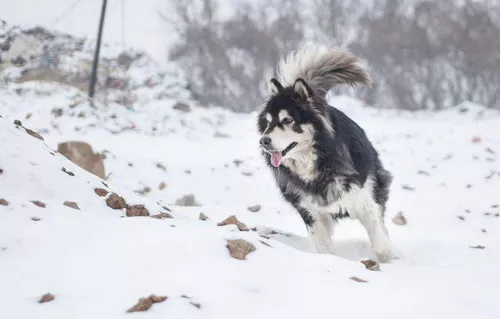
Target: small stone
162,186
461,217
46,298
477,247
371,265
492,206
161,216
483,230
115,201
265,244
4,202
145,303
101,192
18,123
237,162
408,187
137,210
245,173
196,304
357,279
67,172
239,248
187,171
203,217
232,220
73,205
36,219
39,203
399,219
182,107
1,171
221,135
34,134
254,208
161,166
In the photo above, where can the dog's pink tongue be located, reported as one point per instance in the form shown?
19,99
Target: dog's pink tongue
276,158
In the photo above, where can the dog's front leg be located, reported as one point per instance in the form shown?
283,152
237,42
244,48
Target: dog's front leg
319,229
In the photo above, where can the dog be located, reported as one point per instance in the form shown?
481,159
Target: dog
323,162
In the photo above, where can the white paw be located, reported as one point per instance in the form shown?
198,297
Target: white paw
383,255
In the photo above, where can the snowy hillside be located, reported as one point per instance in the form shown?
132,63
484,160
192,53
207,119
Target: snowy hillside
98,263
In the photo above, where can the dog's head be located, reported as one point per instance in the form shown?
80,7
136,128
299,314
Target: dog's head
290,119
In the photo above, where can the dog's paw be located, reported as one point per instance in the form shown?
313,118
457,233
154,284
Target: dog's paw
383,255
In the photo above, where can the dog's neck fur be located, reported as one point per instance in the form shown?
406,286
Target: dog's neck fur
303,165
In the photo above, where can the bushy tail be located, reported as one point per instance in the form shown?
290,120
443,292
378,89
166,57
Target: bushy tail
322,68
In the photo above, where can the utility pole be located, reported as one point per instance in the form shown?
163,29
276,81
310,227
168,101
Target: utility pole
95,63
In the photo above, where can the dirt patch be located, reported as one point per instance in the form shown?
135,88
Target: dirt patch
137,210
115,201
239,248
145,303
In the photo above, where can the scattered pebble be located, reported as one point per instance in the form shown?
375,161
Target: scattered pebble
237,162
46,298
161,166
461,217
4,202
245,173
239,248
161,216
162,186
477,247
34,134
101,192
67,172
371,265
203,217
265,244
115,201
196,304
145,303
254,208
36,219
73,205
483,230
357,279
137,210
399,219
421,172
39,203
232,220
408,187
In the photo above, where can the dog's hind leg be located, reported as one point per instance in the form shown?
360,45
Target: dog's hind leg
371,217
319,229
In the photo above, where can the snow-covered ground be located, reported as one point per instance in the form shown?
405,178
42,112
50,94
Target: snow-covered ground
98,263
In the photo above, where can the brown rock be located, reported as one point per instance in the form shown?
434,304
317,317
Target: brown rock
371,265
34,134
73,205
161,216
46,298
137,210
145,303
39,203
357,279
399,219
82,155
239,248
115,201
162,186
203,217
101,192
232,220
4,202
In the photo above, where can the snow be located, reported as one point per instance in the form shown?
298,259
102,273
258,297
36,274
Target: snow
97,263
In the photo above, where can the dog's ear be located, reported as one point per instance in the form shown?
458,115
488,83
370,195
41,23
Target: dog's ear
275,86
302,89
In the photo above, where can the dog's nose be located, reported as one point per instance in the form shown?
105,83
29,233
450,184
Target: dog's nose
265,141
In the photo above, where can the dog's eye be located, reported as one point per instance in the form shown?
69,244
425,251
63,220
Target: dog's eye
287,120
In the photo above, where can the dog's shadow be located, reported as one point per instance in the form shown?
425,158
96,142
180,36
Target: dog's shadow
350,249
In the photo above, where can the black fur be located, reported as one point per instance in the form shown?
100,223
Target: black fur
345,157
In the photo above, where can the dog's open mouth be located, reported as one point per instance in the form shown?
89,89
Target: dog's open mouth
277,156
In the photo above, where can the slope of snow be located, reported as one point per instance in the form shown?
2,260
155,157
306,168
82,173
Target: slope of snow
97,262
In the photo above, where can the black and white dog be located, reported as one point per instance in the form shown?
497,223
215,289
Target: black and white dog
323,163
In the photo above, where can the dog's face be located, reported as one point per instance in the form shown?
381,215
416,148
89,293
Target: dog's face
288,123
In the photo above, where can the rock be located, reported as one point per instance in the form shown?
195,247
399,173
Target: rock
46,298
68,172
203,217
1,171
36,219
221,135
239,248
144,191
265,244
476,139
246,173
408,187
461,217
161,166
232,220
371,265
73,205
357,279
196,304
182,107
254,208
161,216
145,303
115,201
399,219
162,186
4,202
34,134
137,210
101,192
187,200
477,247
39,203
82,155
237,162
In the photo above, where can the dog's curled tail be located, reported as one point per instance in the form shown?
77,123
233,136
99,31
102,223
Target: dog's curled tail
322,68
